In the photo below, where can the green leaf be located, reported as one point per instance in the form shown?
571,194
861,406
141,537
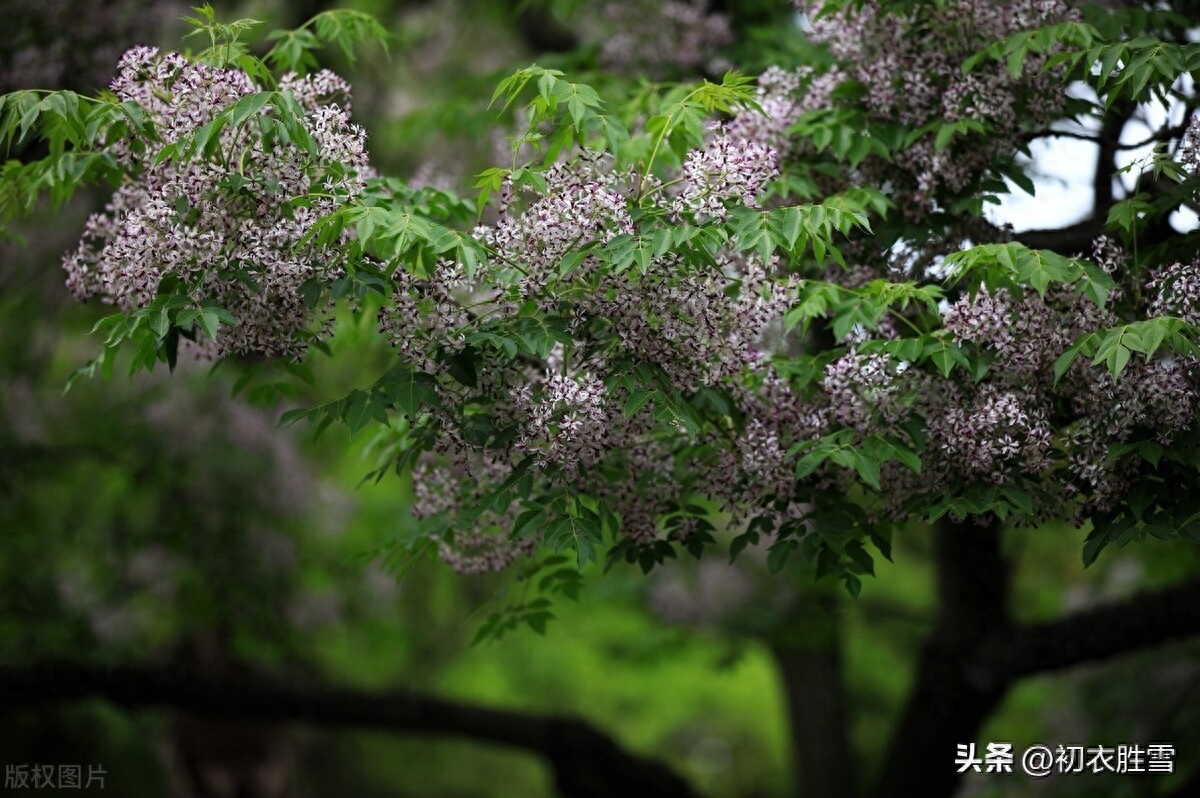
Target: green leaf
1092,547
407,389
572,532
859,556
498,500
357,412
779,553
638,398
885,448
210,322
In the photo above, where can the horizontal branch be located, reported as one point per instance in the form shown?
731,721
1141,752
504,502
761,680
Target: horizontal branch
1164,133
1069,241
586,762
1145,620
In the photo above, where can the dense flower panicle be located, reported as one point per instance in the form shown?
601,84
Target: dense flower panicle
565,421
1018,422
994,434
656,37
783,97
728,168
706,327
480,552
1189,148
1159,399
911,65
227,227
422,315
440,487
1175,291
1027,336
699,324
583,204
863,390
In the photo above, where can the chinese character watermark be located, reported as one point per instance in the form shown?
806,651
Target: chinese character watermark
38,776
1040,760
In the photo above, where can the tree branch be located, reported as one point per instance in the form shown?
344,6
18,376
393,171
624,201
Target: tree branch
1077,238
1165,132
586,762
1147,619
1067,241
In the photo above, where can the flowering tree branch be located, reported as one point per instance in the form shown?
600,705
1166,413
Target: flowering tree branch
586,762
1066,241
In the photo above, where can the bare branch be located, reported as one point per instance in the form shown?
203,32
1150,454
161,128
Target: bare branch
1145,620
586,762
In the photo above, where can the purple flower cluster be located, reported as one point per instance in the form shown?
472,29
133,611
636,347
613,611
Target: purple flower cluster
1175,291
702,325
685,321
584,203
228,227
441,486
728,168
1189,148
863,391
424,313
911,64
783,97
1015,423
992,435
565,421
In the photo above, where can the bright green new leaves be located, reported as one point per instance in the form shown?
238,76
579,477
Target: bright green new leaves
225,41
581,101
1010,266
293,50
865,458
343,28
401,236
867,305
574,109
75,129
1136,69
400,389
277,115
680,121
549,577
849,134
1114,347
797,228
1016,48
155,331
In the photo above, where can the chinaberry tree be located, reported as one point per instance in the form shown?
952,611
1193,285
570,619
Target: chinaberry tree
743,311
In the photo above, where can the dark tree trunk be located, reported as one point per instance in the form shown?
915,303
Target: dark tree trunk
816,699
951,695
